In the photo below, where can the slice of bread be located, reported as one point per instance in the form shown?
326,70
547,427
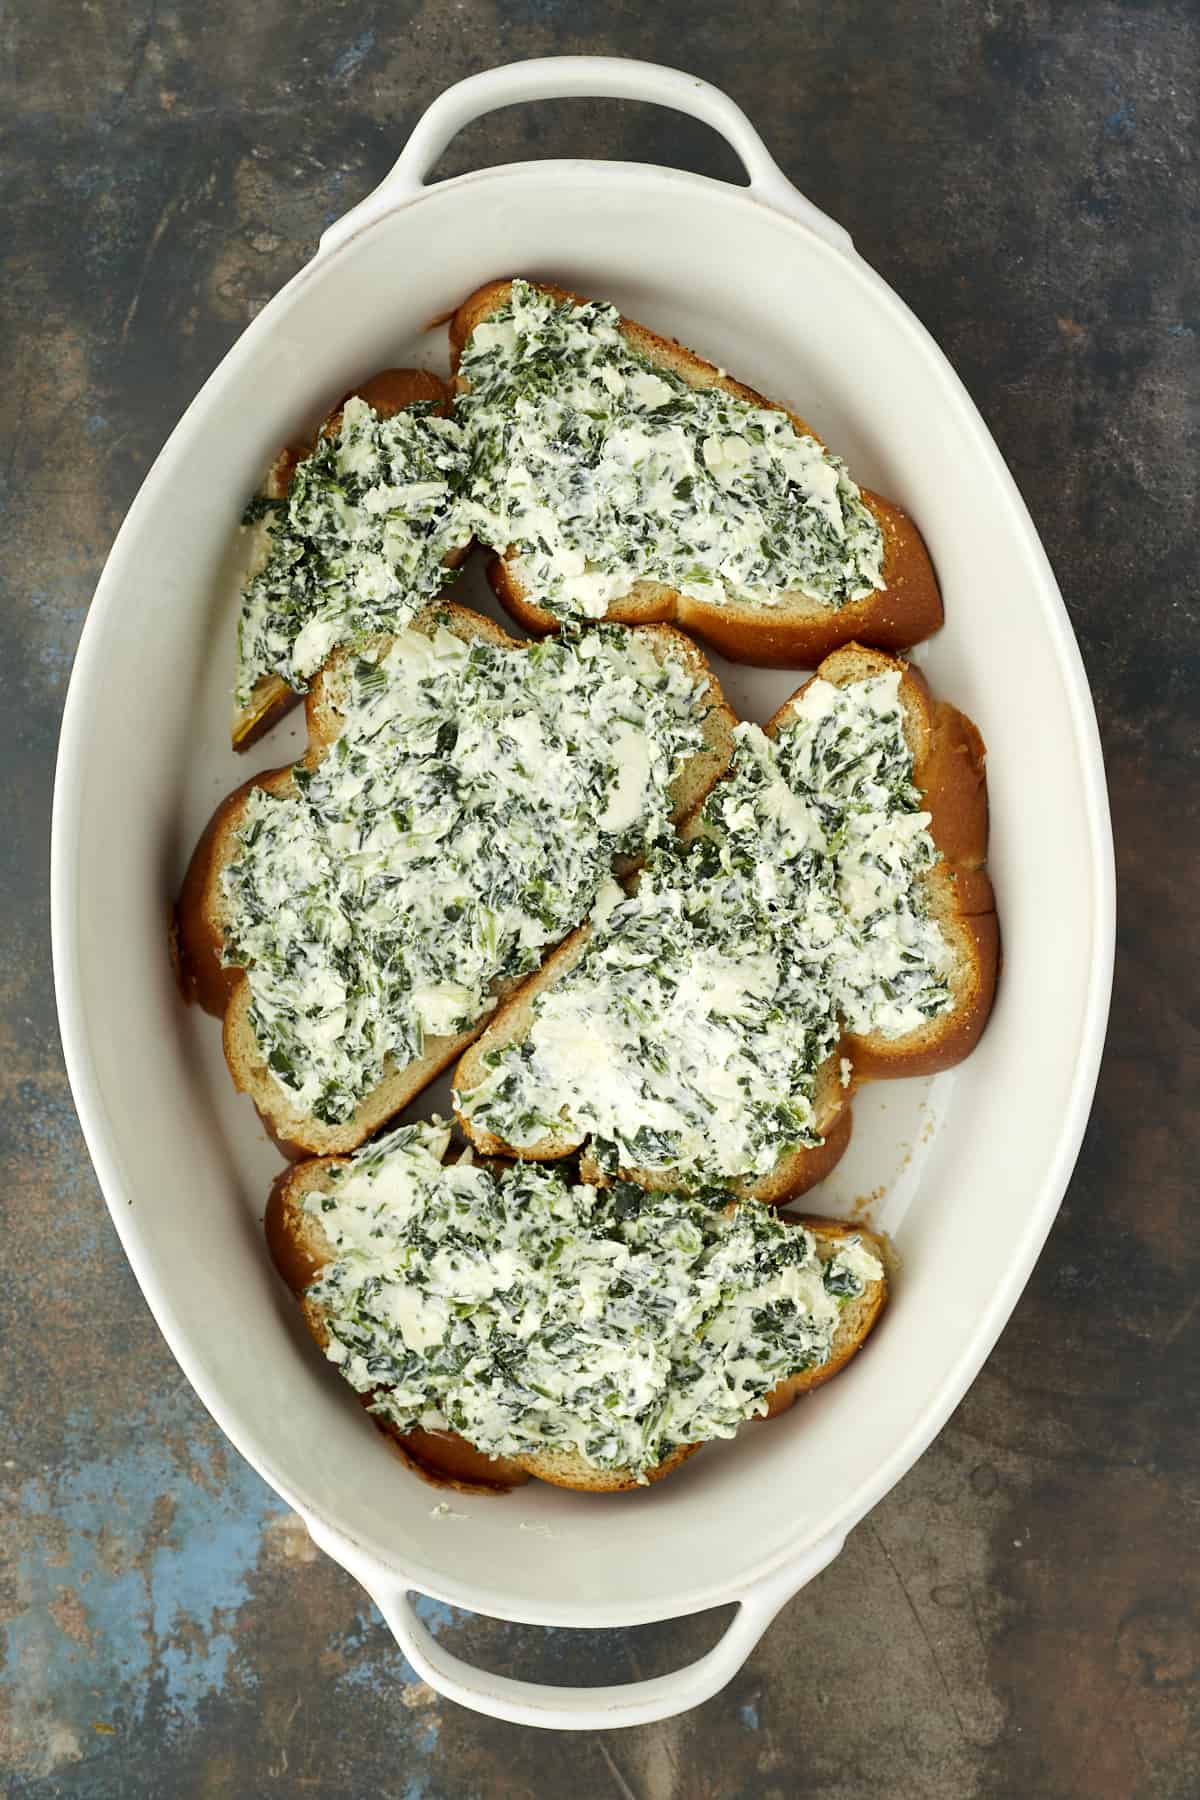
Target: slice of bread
224,989
300,1249
948,767
386,393
798,632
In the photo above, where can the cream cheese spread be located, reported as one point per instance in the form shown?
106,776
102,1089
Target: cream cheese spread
601,471
689,1037
534,1315
466,817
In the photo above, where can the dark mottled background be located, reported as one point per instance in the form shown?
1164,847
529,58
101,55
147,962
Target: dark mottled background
1019,1618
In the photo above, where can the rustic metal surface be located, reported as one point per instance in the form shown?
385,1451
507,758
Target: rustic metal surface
1020,1617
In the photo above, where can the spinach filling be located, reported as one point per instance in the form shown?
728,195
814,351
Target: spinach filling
532,1314
689,1037
357,545
466,818
603,470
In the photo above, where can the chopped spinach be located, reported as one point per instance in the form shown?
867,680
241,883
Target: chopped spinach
689,1036
533,1314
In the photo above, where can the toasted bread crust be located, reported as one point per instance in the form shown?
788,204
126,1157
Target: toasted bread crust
204,976
798,633
300,1249
388,392
560,1468
858,1320
225,991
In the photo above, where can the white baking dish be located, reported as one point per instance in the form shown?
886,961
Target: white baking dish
971,1167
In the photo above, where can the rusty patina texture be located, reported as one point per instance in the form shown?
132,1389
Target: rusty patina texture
1019,1618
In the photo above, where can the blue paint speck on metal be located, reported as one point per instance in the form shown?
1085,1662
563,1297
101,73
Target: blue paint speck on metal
425,1734
53,1141
386,1668
436,1614
351,59
131,1576
1122,121
55,621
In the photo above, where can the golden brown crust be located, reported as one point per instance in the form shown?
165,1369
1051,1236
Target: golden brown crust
906,611
693,369
466,317
295,1240
949,767
288,460
446,1460
204,976
583,1478
955,1034
270,700
798,633
224,990
858,1321
297,1134
388,392
953,778
804,1168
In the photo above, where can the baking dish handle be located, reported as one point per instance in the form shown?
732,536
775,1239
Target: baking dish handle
580,1708
590,77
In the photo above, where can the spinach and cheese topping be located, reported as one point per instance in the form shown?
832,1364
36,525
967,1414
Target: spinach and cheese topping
532,1315
465,817
845,754
357,544
602,470
689,1036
